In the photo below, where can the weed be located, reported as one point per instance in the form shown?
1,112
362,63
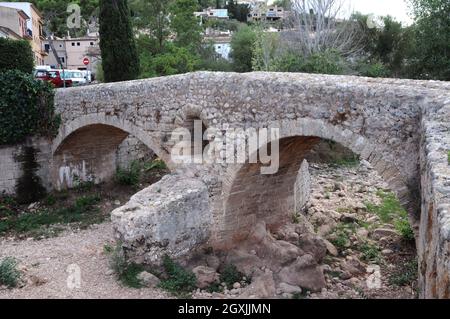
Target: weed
9,274
180,281
370,252
230,275
448,157
126,272
129,176
391,211
406,275
155,164
37,224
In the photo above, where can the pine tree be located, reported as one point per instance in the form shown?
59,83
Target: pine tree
119,56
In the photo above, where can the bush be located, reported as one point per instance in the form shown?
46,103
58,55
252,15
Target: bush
26,108
230,275
129,176
16,55
373,70
9,274
328,62
180,282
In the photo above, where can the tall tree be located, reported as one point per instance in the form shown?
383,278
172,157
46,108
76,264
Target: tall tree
152,16
432,39
185,25
119,57
242,44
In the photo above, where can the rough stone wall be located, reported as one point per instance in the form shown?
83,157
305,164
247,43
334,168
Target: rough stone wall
434,237
132,149
11,168
302,188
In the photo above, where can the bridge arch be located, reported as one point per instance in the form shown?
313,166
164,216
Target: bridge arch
249,196
92,140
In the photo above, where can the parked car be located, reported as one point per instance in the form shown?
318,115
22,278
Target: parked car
77,77
53,77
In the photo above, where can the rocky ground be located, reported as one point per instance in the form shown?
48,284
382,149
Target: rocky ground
337,249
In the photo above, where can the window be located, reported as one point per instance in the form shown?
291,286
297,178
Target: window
78,44
47,48
92,43
60,45
63,60
73,44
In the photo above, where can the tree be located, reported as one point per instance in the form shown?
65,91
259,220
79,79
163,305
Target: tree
319,27
119,57
152,16
242,44
185,24
431,55
238,11
16,55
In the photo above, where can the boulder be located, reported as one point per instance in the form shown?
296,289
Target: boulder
305,273
243,261
205,276
313,245
288,289
171,217
148,280
262,286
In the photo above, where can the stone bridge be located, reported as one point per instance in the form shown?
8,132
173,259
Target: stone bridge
401,127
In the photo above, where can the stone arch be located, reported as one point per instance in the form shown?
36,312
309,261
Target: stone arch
92,140
244,202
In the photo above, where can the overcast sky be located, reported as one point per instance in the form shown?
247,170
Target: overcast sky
396,8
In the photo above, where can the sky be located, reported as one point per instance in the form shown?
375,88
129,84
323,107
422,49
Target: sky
396,8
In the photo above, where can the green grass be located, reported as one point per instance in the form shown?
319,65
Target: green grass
406,275
126,272
370,252
448,157
179,282
346,161
340,237
155,164
9,274
391,211
82,211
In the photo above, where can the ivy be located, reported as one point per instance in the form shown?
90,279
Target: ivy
26,108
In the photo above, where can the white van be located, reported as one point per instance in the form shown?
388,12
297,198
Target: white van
77,76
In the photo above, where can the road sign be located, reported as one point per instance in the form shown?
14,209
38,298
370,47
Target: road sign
85,61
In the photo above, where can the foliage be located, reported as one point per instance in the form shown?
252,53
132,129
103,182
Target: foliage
16,55
264,50
406,275
391,211
55,14
242,44
129,176
174,60
152,15
185,24
238,11
179,281
448,157
155,164
126,272
231,275
370,252
327,62
9,274
82,211
431,34
26,108
373,70
119,56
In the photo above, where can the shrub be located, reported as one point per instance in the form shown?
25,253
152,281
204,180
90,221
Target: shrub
180,281
16,55
373,70
126,272
328,62
155,164
230,275
129,176
9,274
26,108
370,252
